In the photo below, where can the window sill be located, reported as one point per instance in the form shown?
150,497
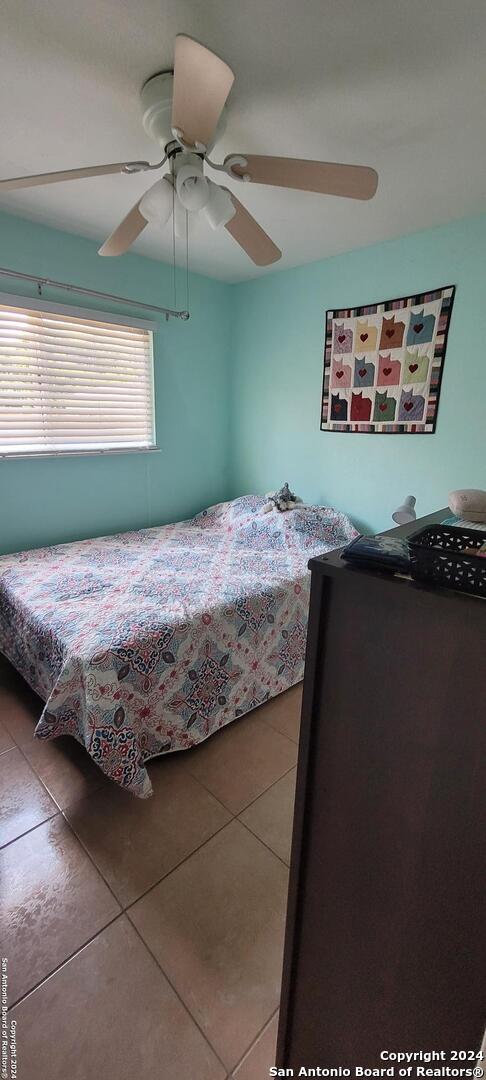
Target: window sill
80,453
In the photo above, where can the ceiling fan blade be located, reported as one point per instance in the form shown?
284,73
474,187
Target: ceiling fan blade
202,83
250,236
125,233
71,174
323,177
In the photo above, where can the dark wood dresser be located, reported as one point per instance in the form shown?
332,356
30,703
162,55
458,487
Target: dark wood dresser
386,929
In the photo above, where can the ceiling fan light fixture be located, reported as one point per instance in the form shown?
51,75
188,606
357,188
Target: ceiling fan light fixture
191,185
183,111
156,205
220,207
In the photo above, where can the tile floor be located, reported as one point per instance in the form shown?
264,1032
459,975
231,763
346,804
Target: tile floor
144,938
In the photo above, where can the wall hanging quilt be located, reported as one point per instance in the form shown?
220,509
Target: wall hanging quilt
383,365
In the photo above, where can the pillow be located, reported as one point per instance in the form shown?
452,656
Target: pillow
469,504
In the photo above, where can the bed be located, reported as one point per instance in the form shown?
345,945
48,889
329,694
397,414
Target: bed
147,642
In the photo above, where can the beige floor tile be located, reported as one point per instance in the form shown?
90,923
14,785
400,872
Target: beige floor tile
241,761
283,712
20,709
110,1012
216,925
258,1062
64,767
6,741
135,842
24,802
271,816
52,900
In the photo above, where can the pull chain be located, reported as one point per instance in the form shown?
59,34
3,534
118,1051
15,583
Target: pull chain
187,261
174,248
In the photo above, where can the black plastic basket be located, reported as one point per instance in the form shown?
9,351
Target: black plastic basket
437,556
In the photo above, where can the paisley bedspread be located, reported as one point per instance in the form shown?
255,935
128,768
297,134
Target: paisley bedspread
147,642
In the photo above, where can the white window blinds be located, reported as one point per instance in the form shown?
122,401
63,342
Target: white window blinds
72,384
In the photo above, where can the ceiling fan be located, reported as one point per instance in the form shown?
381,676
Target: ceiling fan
183,111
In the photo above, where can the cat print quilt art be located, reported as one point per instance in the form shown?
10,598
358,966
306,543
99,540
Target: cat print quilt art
341,375
385,407
366,335
383,365
364,372
339,407
389,371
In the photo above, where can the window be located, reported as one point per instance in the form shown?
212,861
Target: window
73,384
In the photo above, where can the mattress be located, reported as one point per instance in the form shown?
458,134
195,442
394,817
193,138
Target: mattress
147,642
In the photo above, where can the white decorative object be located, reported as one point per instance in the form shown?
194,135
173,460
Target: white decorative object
284,499
406,512
468,503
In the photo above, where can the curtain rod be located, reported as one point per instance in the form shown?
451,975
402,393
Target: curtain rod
40,281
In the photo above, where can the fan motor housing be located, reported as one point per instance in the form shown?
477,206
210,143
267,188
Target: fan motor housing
156,101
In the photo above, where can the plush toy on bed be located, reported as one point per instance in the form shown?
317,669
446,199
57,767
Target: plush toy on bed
284,499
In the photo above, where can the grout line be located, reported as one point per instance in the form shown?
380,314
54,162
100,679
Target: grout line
125,912
8,748
67,960
91,790
275,697
208,790
177,865
92,860
44,785
264,792
255,1040
63,812
185,858
267,846
294,742
57,808
18,746
235,814
233,817
198,781
27,831
125,909
173,988
93,863
31,767
279,732
131,903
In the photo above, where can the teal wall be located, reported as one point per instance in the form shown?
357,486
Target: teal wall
276,357
57,499
238,390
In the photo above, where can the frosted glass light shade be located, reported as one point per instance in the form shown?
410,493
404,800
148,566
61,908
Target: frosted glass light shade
156,205
192,187
220,207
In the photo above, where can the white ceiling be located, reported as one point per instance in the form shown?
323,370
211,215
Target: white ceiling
397,84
